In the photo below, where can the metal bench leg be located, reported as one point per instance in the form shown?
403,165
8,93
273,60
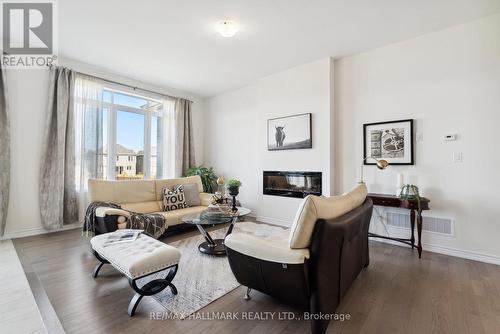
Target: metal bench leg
134,302
102,261
151,288
97,268
173,288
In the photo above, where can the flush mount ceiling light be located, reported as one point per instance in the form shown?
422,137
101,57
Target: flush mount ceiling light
226,28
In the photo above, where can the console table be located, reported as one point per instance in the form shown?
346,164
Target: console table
412,205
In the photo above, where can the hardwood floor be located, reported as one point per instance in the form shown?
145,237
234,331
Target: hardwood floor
397,293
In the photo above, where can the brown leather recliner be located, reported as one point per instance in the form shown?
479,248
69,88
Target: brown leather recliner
312,267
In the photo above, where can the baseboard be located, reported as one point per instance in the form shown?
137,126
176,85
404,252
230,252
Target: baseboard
36,231
455,252
273,221
465,254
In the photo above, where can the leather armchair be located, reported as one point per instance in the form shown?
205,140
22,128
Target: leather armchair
315,277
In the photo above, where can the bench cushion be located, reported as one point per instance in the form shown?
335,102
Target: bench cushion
137,258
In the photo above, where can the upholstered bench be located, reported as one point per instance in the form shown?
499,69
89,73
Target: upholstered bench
137,259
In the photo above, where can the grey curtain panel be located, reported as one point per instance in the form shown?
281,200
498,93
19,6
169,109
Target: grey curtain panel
184,140
4,153
58,198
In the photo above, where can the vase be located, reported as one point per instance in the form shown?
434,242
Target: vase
234,191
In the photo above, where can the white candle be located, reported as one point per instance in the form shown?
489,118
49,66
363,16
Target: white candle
400,183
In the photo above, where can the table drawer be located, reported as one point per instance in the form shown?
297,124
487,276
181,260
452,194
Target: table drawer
394,202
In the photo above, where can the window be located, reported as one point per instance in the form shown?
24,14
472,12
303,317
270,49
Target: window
125,132
136,119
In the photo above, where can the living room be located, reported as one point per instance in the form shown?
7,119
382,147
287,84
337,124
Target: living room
263,166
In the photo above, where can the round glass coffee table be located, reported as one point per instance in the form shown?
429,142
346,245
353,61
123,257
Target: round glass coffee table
211,218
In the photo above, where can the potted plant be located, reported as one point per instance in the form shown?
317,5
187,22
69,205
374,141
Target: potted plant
233,186
207,175
411,192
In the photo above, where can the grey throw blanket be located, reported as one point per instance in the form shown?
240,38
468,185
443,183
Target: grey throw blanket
89,221
153,224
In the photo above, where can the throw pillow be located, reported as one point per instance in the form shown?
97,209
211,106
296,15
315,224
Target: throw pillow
191,194
174,199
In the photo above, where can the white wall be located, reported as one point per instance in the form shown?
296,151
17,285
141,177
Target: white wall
236,140
449,82
27,95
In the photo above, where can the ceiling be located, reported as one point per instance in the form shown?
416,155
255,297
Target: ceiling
174,43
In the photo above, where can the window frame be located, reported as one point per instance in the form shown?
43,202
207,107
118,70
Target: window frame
112,129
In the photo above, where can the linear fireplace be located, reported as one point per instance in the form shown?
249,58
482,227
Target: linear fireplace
292,184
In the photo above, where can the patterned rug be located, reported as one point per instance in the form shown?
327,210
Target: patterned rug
202,279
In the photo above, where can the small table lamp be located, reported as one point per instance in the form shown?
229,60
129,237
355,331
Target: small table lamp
381,164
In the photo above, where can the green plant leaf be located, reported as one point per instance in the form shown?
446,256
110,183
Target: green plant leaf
207,176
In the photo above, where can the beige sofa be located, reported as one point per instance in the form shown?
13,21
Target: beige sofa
142,196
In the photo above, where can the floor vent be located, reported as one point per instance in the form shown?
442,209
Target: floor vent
430,224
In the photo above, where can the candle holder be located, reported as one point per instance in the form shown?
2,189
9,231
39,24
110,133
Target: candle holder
234,192
233,187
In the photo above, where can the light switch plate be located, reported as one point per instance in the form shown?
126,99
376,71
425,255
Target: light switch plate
457,157
450,137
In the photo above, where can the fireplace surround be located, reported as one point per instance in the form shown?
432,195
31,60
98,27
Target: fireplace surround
292,184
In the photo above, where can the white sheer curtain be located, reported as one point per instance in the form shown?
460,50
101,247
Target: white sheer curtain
89,132
169,138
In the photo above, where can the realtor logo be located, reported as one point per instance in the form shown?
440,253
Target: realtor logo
28,29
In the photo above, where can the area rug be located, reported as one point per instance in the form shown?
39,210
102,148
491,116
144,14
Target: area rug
202,279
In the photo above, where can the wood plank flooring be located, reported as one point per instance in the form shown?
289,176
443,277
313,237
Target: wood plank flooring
397,293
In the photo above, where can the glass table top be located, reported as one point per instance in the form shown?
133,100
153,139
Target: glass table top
213,216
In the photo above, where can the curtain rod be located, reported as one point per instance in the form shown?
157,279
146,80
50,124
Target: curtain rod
129,86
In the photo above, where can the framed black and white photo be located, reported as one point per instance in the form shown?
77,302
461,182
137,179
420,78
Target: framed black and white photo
289,133
391,141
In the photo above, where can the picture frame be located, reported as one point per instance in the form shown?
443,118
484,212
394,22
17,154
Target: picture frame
289,132
391,140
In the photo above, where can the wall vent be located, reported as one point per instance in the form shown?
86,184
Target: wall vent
430,224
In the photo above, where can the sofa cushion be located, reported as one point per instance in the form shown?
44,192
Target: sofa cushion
205,199
274,249
142,207
313,208
171,183
191,194
175,217
122,191
174,199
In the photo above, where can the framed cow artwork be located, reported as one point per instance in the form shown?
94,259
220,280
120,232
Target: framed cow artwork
289,133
